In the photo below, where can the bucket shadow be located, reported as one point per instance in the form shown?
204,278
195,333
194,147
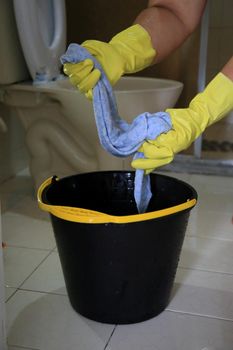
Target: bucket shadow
48,322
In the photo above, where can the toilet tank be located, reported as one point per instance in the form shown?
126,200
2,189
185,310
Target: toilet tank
12,62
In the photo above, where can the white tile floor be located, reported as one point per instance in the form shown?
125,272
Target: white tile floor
199,316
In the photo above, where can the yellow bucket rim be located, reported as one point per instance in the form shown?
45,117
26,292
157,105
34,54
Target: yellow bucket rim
87,216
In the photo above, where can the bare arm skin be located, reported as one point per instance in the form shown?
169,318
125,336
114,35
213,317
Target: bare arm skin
169,23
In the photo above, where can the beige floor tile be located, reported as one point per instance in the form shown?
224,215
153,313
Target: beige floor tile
48,277
216,184
210,224
203,293
28,206
47,321
221,202
207,254
24,231
174,331
19,263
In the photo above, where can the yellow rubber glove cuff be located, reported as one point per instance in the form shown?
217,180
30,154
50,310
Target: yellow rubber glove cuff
128,52
134,45
204,110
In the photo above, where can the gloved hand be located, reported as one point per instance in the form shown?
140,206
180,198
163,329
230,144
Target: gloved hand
204,110
128,52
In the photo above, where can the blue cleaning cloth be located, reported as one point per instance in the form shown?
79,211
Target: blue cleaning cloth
118,137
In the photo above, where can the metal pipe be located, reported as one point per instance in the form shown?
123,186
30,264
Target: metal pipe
201,80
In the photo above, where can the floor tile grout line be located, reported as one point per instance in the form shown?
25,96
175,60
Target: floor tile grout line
108,341
199,315
28,215
50,252
41,291
19,287
7,299
29,248
205,270
13,211
212,238
209,238
22,347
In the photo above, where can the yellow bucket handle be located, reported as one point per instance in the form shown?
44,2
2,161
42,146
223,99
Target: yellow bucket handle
95,217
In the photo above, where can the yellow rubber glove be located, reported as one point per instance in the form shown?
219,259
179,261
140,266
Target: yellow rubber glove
204,110
128,52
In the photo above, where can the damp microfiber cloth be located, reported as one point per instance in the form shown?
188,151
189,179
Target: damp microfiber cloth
116,136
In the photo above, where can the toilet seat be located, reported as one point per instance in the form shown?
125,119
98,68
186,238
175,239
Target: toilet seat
42,30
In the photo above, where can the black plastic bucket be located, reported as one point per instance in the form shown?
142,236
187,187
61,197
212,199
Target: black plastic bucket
120,272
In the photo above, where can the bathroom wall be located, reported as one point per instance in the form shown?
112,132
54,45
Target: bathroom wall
218,139
220,46
101,19
13,154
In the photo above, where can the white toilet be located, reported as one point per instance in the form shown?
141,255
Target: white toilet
59,123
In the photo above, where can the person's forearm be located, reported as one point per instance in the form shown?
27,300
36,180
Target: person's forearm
228,69
169,23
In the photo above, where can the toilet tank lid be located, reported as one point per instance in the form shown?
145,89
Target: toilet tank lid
42,32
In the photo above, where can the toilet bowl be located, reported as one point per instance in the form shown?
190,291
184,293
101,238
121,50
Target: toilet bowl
59,124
